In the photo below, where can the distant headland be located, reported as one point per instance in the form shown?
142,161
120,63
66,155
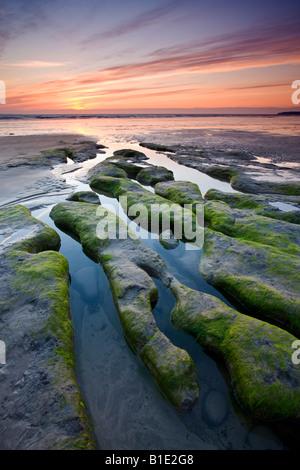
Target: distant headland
289,113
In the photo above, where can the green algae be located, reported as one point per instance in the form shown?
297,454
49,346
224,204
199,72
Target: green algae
126,262
41,275
180,192
154,174
264,279
156,213
84,196
130,169
257,354
256,204
248,226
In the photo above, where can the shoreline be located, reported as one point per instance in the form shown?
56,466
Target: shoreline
27,163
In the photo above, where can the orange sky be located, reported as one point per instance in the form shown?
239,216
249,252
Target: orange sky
157,57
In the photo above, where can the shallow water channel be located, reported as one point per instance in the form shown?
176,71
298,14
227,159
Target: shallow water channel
127,409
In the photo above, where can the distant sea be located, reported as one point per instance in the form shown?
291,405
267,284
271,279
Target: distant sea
268,135
138,115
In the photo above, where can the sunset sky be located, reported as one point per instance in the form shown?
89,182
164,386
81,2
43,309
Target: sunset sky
62,56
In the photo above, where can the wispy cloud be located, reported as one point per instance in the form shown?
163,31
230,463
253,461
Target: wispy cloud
256,87
35,64
140,21
167,71
19,17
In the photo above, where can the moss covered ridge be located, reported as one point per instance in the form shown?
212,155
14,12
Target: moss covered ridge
253,257
37,281
180,192
257,204
257,354
246,225
152,210
128,265
264,279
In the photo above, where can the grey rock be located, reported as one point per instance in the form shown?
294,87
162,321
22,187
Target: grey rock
167,240
215,408
84,196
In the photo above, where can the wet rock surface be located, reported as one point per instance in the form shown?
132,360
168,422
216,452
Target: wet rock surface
242,257
256,353
154,174
260,205
153,209
167,240
246,225
215,408
263,279
40,399
28,170
128,265
84,196
181,192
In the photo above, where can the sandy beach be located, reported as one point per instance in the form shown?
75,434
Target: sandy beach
26,163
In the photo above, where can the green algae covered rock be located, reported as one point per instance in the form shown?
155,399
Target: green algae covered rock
39,390
180,192
84,196
157,147
127,262
167,240
131,154
243,224
172,367
221,173
259,205
106,169
156,213
247,184
264,279
257,354
153,174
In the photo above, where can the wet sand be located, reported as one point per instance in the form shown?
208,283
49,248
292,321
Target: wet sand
24,173
16,149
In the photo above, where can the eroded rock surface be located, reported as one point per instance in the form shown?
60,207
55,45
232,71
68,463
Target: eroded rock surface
84,196
41,404
129,265
264,279
257,354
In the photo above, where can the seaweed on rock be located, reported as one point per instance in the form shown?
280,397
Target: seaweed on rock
41,387
257,354
127,263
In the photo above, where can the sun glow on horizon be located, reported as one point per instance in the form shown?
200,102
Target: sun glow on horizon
158,57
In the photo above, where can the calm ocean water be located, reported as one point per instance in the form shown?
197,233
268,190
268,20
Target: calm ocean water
131,126
271,136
